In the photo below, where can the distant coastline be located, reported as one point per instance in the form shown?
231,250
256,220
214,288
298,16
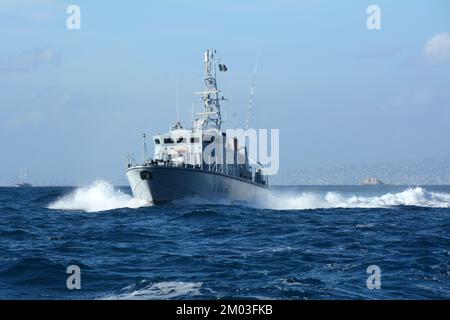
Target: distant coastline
432,171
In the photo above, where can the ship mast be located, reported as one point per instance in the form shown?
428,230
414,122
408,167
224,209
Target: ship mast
212,117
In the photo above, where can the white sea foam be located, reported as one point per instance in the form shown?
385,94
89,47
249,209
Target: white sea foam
101,196
310,200
160,290
98,196
276,249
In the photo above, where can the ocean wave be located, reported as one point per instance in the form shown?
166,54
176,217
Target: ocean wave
102,196
307,200
160,290
275,249
201,214
98,196
197,200
30,269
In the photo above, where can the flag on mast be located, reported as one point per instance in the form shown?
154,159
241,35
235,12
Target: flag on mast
222,67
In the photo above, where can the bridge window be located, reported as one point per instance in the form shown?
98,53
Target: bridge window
168,140
181,139
156,141
194,140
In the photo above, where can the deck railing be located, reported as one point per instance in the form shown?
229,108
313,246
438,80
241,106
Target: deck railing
217,168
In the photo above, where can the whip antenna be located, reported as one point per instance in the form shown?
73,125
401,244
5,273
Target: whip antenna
251,93
178,111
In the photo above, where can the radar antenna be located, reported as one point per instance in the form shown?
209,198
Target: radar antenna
212,117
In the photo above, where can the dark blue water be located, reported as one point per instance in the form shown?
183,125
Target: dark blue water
200,250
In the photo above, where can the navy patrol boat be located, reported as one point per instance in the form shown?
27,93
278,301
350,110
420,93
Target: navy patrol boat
182,166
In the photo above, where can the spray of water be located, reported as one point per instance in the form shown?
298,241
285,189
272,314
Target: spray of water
288,200
160,290
101,196
98,196
309,200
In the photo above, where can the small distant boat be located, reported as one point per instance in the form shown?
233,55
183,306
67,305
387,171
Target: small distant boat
24,185
371,181
23,179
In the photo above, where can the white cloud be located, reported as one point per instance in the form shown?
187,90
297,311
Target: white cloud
30,61
437,49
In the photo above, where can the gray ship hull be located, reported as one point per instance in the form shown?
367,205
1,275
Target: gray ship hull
164,184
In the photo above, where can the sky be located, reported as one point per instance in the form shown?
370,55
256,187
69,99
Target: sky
73,103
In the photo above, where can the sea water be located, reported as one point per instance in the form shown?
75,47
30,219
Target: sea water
301,242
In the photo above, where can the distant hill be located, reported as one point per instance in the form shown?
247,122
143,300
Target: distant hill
407,172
